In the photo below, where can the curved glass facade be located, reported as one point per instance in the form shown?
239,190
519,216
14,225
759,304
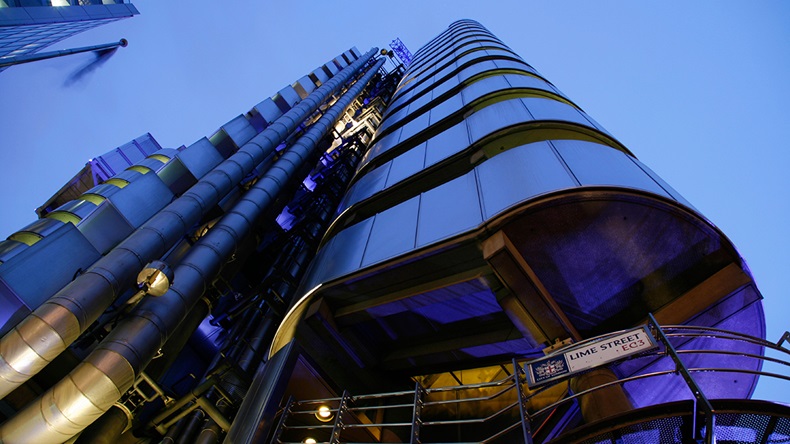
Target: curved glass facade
483,172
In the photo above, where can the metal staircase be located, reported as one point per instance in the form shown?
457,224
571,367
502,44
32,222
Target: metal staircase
507,411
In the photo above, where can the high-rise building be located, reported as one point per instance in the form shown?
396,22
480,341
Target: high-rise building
28,26
448,251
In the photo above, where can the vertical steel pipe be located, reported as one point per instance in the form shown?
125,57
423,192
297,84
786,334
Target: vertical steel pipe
109,371
46,332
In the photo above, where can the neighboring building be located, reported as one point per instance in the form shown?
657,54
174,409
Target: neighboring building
374,256
28,26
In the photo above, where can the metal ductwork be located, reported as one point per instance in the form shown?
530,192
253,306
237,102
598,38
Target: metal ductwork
245,347
53,326
110,370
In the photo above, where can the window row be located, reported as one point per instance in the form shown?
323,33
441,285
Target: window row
482,122
462,204
411,81
464,45
469,85
462,70
460,40
442,39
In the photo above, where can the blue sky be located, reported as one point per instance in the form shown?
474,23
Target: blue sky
697,90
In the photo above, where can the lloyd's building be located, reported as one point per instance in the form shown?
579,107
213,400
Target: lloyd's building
447,251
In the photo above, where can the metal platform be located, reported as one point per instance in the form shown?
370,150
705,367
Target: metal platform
506,410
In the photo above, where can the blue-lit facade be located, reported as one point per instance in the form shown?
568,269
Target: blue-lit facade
377,256
27,27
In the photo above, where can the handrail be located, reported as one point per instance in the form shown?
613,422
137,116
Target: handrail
732,353
700,400
501,432
734,337
599,387
664,335
496,383
720,330
472,421
480,398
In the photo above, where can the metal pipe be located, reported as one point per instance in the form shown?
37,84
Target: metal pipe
193,423
159,422
173,432
109,371
27,58
59,321
209,434
108,428
174,345
256,344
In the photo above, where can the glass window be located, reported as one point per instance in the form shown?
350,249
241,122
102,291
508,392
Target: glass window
383,145
393,119
495,117
672,192
407,164
402,96
419,102
368,185
445,86
513,64
595,164
548,109
447,71
485,86
525,81
596,124
394,231
502,53
519,174
477,68
345,253
446,143
449,209
415,126
471,57
446,108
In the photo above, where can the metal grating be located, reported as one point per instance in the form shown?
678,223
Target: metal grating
781,432
664,430
747,428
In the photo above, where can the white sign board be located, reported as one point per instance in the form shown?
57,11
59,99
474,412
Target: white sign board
577,358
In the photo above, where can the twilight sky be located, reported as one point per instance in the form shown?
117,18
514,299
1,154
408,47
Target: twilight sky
698,91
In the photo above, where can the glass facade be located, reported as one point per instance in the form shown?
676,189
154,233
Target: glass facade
26,27
482,167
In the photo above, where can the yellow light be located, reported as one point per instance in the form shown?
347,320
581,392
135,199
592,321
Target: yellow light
309,441
324,413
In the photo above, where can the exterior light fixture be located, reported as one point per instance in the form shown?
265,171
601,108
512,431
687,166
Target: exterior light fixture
309,441
324,414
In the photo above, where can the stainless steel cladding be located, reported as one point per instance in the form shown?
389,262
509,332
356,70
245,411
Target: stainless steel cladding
32,344
96,384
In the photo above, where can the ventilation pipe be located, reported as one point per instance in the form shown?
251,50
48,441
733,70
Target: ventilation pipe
58,322
290,264
110,370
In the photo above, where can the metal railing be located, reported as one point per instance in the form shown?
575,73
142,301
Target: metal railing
351,413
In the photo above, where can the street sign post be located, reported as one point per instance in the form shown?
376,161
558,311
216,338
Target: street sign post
577,358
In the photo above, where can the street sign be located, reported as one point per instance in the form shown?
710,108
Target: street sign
577,358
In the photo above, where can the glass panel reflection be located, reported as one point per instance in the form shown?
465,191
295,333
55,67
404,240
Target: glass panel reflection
393,232
519,174
594,164
449,209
